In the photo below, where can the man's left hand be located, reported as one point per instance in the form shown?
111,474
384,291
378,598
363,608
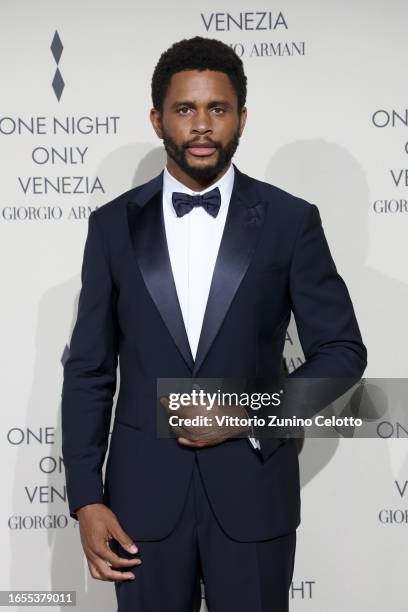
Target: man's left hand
206,435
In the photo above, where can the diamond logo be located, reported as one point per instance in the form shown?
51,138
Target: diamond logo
56,50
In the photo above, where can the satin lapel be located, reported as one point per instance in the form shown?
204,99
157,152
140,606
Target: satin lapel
243,224
149,241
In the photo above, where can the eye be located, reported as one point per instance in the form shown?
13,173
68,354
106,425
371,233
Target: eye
218,108
182,108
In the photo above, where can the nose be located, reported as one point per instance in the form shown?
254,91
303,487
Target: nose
201,123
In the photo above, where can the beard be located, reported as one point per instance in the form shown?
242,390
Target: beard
203,174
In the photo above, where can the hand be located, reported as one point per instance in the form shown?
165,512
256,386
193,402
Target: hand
203,441
98,524
205,435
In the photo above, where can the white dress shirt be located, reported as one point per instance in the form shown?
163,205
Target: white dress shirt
193,242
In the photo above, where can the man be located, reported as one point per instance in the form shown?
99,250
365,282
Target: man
194,274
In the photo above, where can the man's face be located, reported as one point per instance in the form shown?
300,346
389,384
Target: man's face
200,124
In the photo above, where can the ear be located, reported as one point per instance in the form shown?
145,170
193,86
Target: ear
155,119
242,119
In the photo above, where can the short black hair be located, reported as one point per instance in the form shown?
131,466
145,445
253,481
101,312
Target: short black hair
198,53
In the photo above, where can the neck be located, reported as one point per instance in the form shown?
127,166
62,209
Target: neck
190,182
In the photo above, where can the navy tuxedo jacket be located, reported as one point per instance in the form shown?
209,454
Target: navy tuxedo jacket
273,259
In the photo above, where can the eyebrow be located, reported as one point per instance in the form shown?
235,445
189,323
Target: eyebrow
209,105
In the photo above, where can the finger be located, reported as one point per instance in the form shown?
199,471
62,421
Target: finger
93,570
122,537
199,443
186,442
164,401
106,573
116,561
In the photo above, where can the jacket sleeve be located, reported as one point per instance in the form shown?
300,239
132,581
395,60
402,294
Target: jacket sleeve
326,323
89,382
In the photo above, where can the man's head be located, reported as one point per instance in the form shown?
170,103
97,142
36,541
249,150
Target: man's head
198,95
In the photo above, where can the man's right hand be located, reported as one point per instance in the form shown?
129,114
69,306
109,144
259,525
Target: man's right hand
97,525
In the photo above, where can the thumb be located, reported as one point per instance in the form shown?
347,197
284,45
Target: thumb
124,540
164,400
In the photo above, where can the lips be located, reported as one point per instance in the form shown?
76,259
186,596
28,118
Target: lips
202,150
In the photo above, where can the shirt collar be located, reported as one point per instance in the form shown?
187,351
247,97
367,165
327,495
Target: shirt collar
224,184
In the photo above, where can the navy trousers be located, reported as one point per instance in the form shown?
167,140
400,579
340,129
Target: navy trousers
237,576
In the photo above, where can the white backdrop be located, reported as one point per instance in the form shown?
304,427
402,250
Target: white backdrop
327,120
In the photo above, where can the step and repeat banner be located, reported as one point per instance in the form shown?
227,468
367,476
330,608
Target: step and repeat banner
327,121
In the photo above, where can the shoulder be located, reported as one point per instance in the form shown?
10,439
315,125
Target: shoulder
113,213
110,221
288,215
114,209
281,201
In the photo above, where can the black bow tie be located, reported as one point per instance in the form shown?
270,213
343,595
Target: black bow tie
183,202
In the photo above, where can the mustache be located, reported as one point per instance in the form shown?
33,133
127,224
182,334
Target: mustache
210,143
